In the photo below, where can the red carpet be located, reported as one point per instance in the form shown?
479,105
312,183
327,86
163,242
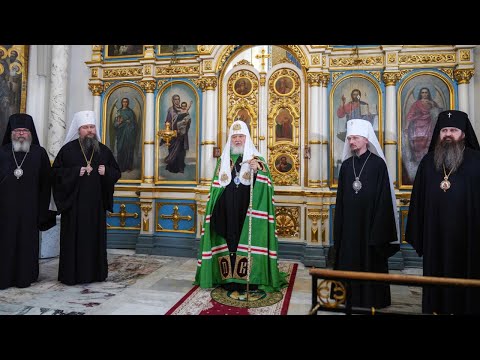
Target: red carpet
199,301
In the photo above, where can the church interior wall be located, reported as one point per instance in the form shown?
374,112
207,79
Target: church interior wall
156,212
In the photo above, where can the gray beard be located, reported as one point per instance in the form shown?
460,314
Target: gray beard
88,143
450,154
354,153
21,146
237,149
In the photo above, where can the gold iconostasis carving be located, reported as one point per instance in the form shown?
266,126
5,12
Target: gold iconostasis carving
283,116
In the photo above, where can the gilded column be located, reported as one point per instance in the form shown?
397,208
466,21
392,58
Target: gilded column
324,133
210,122
95,85
201,84
149,137
57,100
97,90
262,115
463,76
314,130
390,79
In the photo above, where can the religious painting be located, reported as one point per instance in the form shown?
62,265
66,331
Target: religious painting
176,143
422,96
13,82
124,50
284,85
283,126
242,87
244,115
284,163
355,96
177,49
123,119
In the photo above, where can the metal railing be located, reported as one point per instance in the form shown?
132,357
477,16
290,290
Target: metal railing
338,299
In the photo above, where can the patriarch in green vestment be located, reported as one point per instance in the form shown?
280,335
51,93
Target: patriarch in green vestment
224,245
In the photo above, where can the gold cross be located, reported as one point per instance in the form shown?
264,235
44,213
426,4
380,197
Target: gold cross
176,217
123,215
263,57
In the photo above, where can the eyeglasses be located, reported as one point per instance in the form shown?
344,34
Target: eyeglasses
21,131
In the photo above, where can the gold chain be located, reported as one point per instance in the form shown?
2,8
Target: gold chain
445,172
83,152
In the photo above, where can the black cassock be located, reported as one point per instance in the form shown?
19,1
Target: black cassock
23,212
230,211
364,225
444,227
83,202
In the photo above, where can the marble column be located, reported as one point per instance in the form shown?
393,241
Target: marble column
314,130
37,89
324,133
50,240
390,79
463,77
57,100
97,110
149,137
211,124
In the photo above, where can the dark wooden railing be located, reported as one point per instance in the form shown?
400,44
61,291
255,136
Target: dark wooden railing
341,301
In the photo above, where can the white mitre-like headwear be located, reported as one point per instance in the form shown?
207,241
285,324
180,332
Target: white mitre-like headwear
225,175
80,118
364,128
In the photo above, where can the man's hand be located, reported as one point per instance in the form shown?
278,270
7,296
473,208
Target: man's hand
82,170
101,170
254,165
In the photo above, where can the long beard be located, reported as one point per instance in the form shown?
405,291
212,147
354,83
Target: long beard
237,149
21,146
90,142
449,153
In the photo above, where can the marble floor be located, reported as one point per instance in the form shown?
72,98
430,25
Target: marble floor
148,285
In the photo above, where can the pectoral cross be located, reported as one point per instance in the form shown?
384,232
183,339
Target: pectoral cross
263,57
89,168
176,217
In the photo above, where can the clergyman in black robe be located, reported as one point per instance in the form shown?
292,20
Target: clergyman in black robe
365,223
24,199
85,173
443,222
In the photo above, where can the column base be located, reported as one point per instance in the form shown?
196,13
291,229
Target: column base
50,242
